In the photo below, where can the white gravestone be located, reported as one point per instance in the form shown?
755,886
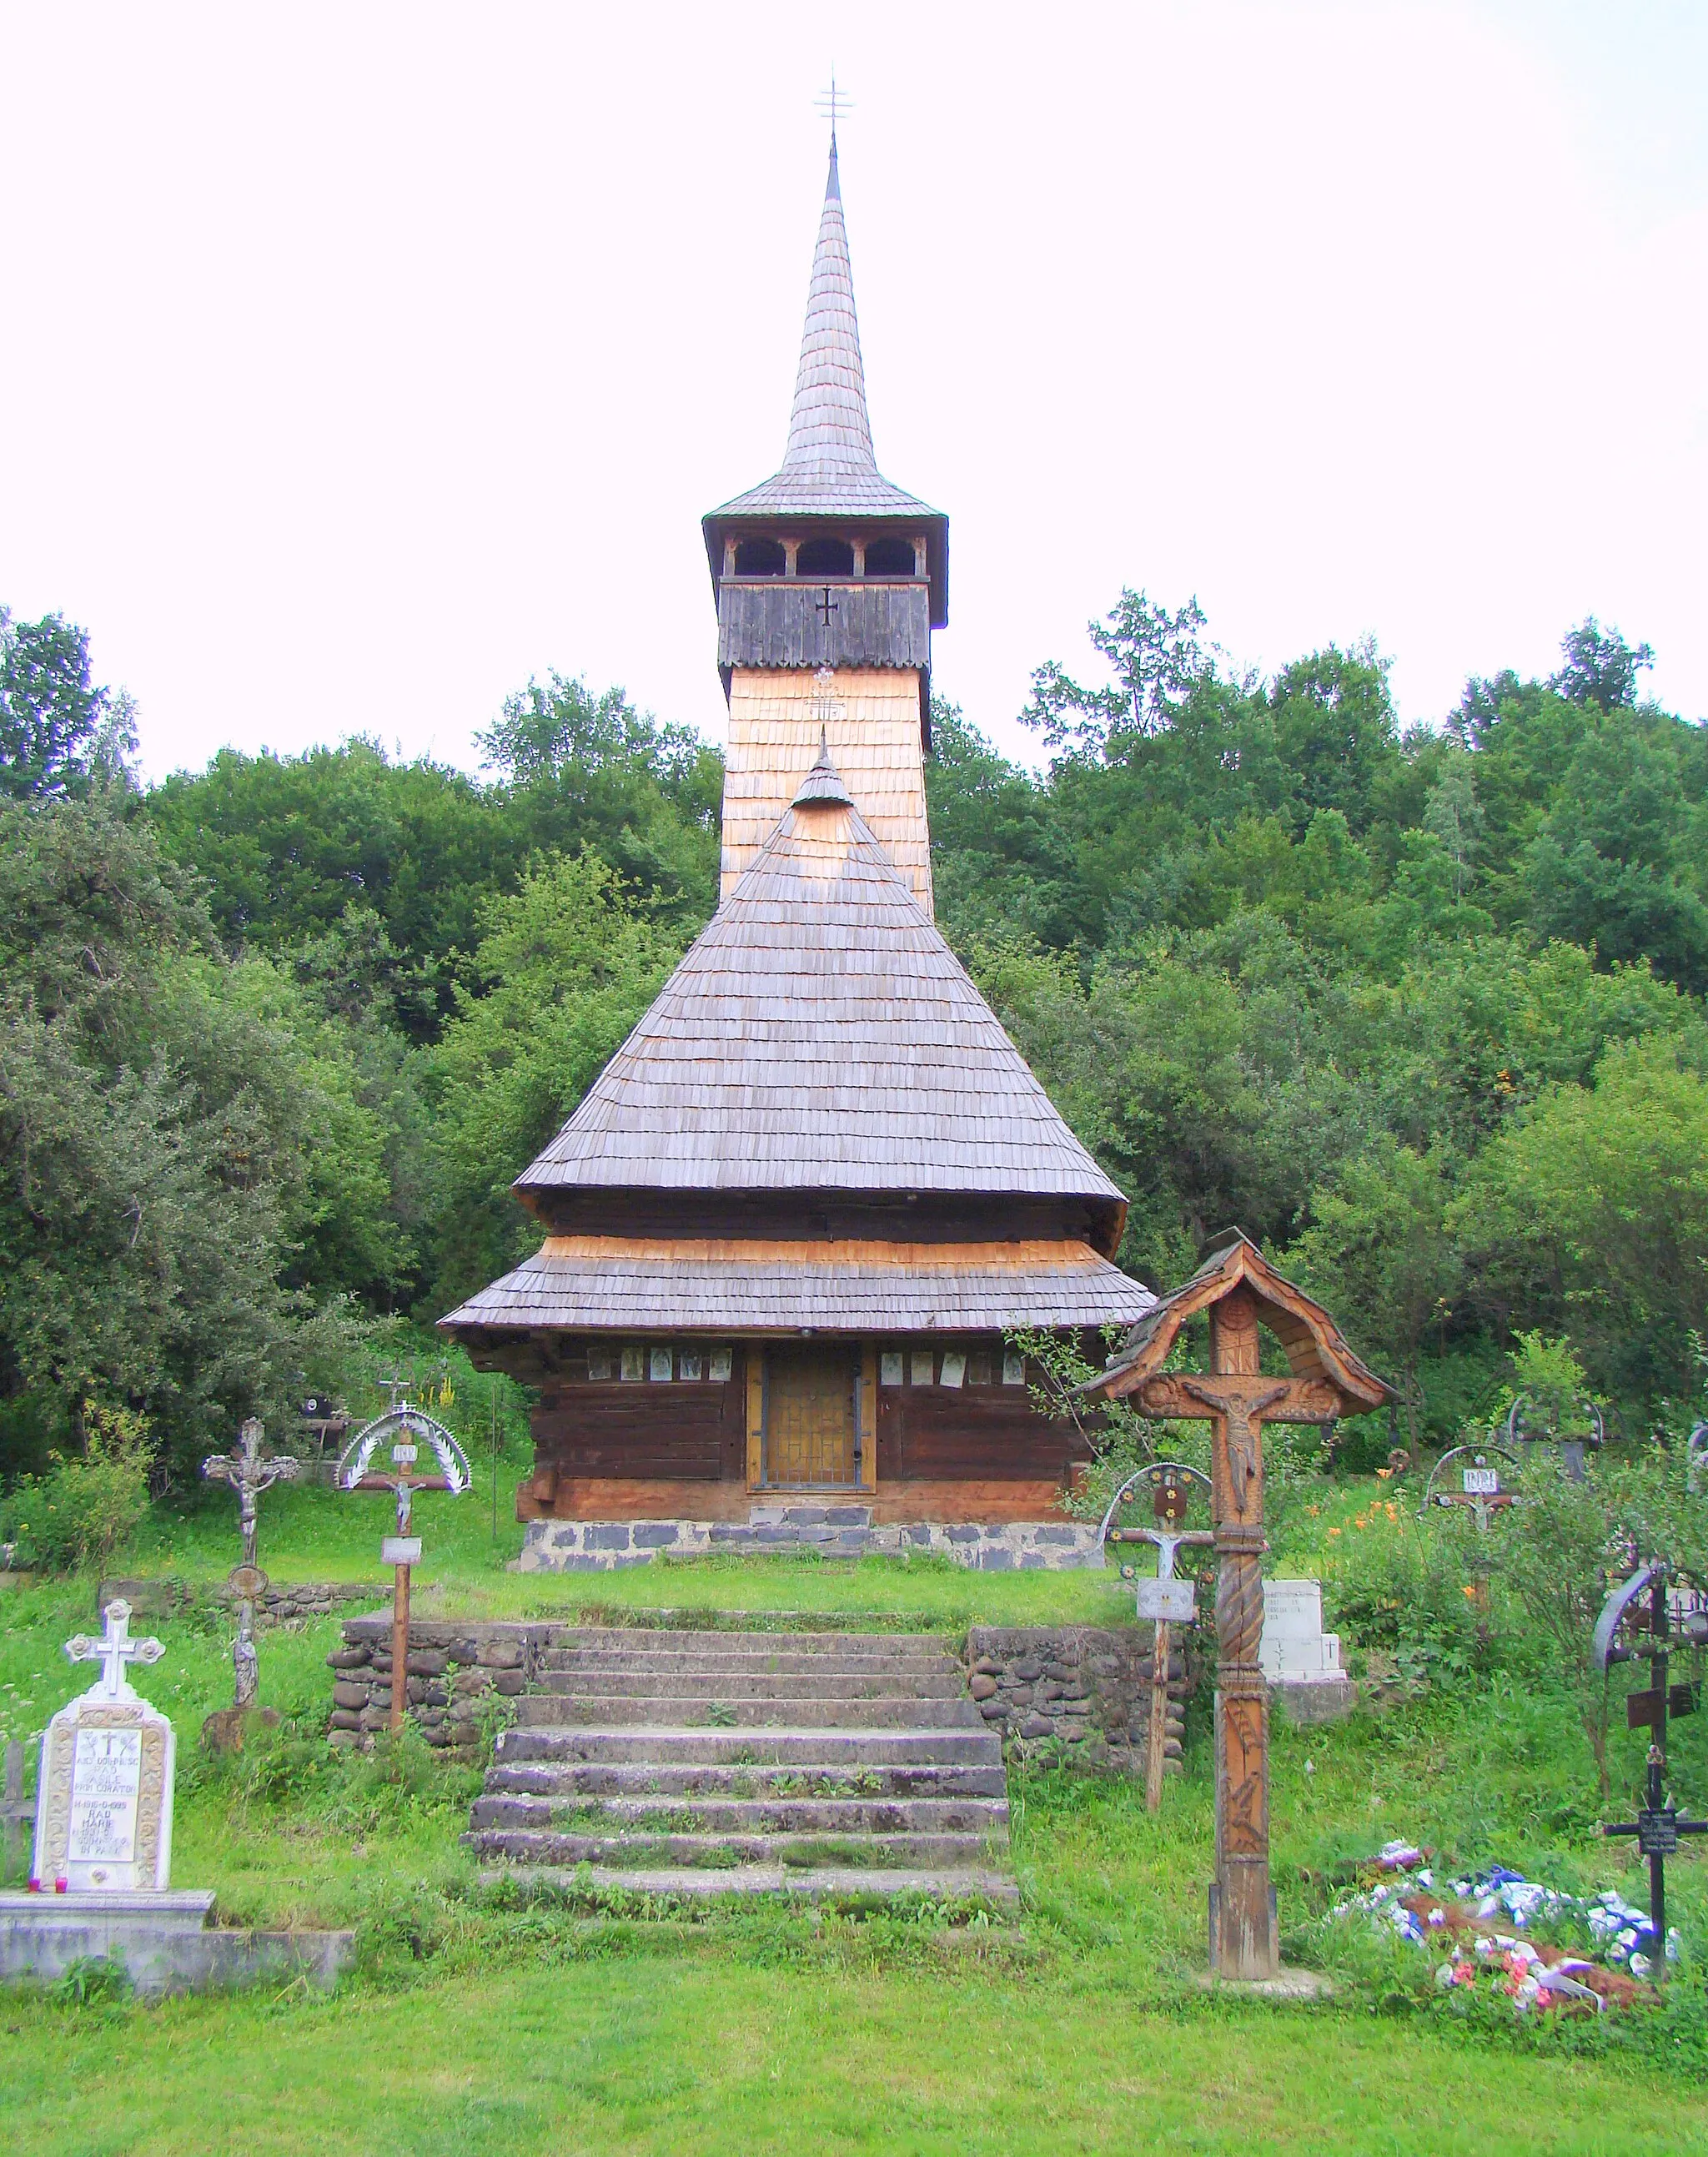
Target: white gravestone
1294,1648
104,1795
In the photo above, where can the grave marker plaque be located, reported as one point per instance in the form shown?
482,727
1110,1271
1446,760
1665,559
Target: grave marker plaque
103,1817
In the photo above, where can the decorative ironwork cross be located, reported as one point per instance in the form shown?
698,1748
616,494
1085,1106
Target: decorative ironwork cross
1618,1637
115,1649
1166,1600
250,1471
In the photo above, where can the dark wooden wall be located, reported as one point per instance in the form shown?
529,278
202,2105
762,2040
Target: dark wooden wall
682,1433
970,1433
770,623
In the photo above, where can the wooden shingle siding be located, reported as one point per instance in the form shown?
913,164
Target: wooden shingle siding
869,721
769,623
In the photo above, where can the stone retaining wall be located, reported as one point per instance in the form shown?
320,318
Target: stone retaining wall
837,1531
455,1671
285,1602
1081,1689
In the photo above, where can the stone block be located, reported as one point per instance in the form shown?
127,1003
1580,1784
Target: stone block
848,1516
1052,1538
349,1696
509,1683
963,1531
993,1559
347,1659
1028,1669
1034,1726
982,1687
346,1718
500,1654
466,1683
607,1536
803,1517
656,1535
427,1663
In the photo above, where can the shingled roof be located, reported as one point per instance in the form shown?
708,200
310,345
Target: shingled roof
829,468
821,1035
652,1285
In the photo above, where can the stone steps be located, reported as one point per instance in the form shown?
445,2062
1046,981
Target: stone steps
770,1746
657,1815
683,1709
573,1779
715,1682
845,1883
722,1763
707,1853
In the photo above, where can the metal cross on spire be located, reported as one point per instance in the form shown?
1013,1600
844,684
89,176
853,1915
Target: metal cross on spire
834,103
114,1650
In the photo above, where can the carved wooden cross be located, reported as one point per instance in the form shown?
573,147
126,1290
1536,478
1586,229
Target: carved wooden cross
1236,1288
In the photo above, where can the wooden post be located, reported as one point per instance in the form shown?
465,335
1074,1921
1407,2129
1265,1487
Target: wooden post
1157,1751
400,1647
1242,1918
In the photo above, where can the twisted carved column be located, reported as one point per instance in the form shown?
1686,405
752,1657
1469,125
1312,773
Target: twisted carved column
1242,1927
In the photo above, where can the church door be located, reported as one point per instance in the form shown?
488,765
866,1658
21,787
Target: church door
809,1414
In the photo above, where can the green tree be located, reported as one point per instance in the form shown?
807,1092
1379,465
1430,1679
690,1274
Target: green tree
59,733
563,968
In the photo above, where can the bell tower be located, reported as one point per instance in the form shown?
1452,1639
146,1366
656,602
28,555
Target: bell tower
829,581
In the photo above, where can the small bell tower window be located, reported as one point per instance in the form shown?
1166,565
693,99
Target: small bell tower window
824,558
889,557
760,557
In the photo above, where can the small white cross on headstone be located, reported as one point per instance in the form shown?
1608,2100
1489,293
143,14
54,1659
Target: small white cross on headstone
114,1650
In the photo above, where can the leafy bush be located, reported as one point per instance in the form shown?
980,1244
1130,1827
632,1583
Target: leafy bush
1407,1587
84,1508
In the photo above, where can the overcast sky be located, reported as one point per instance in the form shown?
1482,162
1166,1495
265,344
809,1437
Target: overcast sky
360,362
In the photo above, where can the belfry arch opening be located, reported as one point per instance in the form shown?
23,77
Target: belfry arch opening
824,558
890,558
760,557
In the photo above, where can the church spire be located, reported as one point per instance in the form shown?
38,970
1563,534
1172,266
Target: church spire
830,432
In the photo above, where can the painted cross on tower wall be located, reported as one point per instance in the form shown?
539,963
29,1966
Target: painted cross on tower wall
1240,1295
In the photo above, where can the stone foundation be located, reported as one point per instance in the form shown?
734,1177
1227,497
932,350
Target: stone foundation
1084,1689
838,1531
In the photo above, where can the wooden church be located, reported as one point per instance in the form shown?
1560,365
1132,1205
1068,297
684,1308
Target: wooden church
792,1222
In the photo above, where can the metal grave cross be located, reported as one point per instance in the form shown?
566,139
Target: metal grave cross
1617,1637
1481,1489
250,1471
1166,1600
114,1650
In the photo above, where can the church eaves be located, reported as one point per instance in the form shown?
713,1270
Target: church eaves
821,1035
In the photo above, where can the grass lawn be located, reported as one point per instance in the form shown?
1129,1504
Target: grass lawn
474,2023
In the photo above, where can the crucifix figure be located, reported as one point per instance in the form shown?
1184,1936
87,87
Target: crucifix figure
249,1472
114,1650
1234,1287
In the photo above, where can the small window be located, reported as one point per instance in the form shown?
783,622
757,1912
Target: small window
978,1367
598,1365
824,558
889,1368
663,1363
923,1372
722,1362
890,558
954,1370
760,557
689,1367
1013,1368
634,1364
